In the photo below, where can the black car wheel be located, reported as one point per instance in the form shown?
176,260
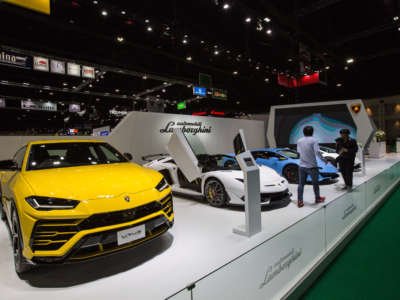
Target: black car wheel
20,263
215,193
291,173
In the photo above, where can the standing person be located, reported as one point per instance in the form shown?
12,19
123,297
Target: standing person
347,148
308,149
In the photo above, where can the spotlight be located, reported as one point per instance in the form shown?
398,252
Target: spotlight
95,2
104,13
120,39
267,20
147,21
327,67
248,20
339,85
144,77
189,58
266,80
117,90
269,31
123,12
282,95
65,84
149,28
350,60
235,72
216,52
185,41
226,6
395,18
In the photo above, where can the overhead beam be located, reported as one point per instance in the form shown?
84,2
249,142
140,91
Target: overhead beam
302,12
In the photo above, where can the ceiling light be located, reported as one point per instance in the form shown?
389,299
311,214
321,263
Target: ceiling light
149,28
216,52
117,90
201,42
104,13
226,6
290,60
189,58
95,2
346,68
147,21
266,19
90,85
163,90
144,77
184,41
339,85
123,12
165,83
65,84
327,67
395,18
350,60
248,20
266,79
120,39
282,95
235,72
269,31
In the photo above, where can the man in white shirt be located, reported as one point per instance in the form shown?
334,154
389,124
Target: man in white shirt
308,149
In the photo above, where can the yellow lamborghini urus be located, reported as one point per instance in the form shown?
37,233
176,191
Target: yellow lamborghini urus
71,200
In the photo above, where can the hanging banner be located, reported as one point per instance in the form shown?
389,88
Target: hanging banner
57,66
88,72
42,6
14,59
41,64
74,69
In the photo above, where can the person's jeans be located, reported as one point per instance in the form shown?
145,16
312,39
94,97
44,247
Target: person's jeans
303,173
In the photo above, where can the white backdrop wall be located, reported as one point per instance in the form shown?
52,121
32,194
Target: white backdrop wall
142,133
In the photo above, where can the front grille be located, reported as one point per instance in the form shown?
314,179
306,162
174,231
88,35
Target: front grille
50,235
331,175
167,205
119,217
265,197
53,234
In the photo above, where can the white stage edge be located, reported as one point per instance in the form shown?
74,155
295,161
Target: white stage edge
199,248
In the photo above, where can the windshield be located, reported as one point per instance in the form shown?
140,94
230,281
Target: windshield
327,149
218,162
289,153
62,155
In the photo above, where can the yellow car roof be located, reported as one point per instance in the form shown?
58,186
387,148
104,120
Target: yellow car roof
63,141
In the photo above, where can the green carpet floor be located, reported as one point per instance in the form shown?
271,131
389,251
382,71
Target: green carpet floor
369,267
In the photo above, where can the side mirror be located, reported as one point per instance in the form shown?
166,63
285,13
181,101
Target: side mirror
128,156
8,165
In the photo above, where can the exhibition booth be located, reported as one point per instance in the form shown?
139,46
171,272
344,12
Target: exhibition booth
201,256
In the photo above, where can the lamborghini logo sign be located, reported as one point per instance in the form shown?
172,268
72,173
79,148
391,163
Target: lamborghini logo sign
42,6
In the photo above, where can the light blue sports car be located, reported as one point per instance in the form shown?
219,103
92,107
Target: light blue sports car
286,162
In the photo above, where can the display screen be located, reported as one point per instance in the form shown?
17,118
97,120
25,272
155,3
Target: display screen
249,162
327,120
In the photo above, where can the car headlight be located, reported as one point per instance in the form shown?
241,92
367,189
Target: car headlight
162,185
48,203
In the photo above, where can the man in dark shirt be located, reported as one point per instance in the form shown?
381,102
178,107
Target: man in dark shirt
347,148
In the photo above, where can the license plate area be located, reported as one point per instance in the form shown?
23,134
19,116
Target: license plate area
131,234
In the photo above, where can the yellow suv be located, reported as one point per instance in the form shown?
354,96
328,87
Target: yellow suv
71,200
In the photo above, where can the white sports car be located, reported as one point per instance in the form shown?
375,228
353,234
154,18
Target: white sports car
331,155
221,180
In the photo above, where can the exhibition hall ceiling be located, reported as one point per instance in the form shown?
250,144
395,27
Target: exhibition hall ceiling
244,45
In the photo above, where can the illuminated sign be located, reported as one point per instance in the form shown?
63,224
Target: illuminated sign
15,59
74,69
57,67
220,94
41,64
199,91
74,108
42,6
88,72
36,105
181,105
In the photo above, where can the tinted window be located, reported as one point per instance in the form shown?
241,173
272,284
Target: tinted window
61,155
19,157
289,153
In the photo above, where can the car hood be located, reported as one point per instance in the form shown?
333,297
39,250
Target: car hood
267,175
326,168
92,182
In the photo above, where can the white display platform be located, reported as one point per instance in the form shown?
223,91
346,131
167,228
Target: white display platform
200,243
377,149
